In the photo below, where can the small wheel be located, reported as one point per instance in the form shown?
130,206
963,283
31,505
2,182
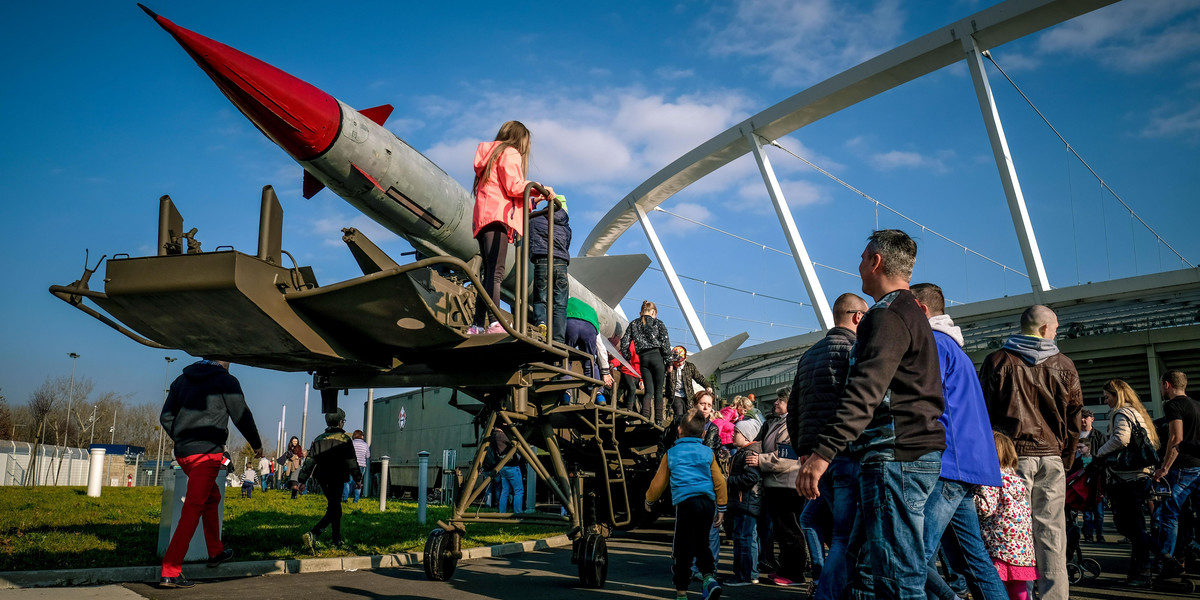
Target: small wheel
441,555
1091,568
1074,573
593,561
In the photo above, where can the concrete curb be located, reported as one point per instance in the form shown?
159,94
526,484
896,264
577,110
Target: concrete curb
100,576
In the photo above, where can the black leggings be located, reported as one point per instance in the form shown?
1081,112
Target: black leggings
493,247
626,395
653,371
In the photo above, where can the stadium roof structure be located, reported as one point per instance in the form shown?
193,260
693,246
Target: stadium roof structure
1123,328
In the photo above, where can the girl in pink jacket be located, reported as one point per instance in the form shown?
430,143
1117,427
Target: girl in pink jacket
499,189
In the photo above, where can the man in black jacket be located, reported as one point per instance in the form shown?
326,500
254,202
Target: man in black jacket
816,391
332,456
196,417
888,418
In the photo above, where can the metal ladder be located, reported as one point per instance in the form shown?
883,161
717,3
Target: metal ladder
614,471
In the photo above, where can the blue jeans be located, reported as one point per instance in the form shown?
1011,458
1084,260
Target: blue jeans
510,485
893,507
745,547
350,487
1184,482
815,522
541,267
1093,521
839,487
951,520
266,480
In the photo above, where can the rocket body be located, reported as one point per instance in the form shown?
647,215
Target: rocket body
355,156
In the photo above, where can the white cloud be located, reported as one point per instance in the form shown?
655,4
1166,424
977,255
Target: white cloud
1130,36
805,41
900,159
610,138
1166,122
754,198
670,74
673,226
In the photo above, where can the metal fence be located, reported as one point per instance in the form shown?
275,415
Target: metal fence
49,465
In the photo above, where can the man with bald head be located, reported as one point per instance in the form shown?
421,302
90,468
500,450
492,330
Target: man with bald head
1033,396
816,391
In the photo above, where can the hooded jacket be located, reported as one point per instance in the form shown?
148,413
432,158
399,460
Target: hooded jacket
1034,397
199,406
501,197
820,378
970,454
539,236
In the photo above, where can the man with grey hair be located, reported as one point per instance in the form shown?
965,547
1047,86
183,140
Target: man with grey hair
1033,395
887,418
332,457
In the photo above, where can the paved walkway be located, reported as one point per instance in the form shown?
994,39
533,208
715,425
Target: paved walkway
640,567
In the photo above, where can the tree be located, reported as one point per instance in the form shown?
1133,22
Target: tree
7,429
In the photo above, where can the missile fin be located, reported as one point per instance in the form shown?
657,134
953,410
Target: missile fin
609,277
312,185
379,114
708,359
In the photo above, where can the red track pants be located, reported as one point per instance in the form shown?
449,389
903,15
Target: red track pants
201,502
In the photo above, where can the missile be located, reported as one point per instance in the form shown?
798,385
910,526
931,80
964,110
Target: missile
350,152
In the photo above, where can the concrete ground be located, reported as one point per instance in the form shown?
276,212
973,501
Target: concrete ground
640,568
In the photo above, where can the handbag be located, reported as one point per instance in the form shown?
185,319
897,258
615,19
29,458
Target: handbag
1138,454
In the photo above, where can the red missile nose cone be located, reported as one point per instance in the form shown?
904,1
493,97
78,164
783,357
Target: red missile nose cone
298,116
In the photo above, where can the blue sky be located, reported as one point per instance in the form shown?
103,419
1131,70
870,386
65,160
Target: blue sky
106,113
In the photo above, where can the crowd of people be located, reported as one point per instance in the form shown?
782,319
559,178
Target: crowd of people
891,468
889,463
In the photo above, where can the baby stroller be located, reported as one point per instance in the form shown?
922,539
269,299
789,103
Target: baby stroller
1083,492
1161,581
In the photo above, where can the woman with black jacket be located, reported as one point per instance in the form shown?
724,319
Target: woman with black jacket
653,347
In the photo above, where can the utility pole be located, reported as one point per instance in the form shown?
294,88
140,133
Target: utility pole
304,419
70,399
113,438
166,390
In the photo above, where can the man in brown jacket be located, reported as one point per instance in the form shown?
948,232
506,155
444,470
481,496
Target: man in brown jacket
1033,396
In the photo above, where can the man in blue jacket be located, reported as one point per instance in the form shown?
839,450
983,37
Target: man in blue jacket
968,460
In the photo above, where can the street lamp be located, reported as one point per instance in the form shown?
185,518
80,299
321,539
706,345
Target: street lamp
92,439
70,398
166,390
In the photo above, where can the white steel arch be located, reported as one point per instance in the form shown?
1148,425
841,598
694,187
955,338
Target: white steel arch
961,40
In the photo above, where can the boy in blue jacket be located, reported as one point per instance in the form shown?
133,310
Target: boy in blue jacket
699,494
545,278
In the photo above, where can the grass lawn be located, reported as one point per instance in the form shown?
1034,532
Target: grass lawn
62,528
